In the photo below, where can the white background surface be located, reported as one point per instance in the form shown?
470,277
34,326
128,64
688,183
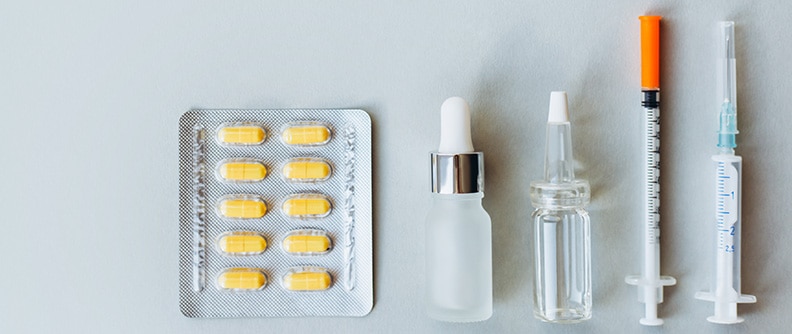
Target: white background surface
91,93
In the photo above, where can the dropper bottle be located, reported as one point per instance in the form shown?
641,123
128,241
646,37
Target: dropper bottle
562,237
458,230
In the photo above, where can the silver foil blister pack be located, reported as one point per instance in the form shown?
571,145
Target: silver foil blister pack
263,232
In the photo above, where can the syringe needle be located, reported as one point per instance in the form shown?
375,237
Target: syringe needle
728,73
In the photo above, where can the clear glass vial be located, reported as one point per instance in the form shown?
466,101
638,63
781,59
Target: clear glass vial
562,236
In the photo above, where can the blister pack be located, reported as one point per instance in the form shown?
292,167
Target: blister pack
275,213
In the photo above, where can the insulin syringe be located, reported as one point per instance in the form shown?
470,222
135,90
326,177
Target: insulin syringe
726,292
650,283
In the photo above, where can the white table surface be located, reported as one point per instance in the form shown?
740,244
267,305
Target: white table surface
91,93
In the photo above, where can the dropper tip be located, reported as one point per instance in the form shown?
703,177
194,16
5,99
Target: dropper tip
559,111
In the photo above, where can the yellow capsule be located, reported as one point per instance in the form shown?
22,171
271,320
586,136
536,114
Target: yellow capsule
306,170
310,280
242,243
311,205
306,135
242,171
298,243
244,207
241,135
242,279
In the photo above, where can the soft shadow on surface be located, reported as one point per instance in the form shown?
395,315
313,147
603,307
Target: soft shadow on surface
669,109
503,131
756,246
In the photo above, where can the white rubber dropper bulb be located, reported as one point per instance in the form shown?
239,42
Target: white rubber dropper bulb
455,126
559,111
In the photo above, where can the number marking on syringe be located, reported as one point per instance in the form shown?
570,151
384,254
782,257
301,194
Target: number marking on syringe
726,205
652,200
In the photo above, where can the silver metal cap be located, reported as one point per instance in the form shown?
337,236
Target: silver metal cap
457,173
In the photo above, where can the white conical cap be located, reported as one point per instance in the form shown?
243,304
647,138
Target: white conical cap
559,112
455,127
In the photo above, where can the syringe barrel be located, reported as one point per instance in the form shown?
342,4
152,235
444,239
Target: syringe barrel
651,152
728,190
651,241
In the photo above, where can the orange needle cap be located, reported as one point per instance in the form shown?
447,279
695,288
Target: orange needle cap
650,52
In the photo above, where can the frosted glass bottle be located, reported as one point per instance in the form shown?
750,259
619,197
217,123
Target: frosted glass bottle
459,258
458,230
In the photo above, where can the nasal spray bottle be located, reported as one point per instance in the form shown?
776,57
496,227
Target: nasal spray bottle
458,230
562,239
